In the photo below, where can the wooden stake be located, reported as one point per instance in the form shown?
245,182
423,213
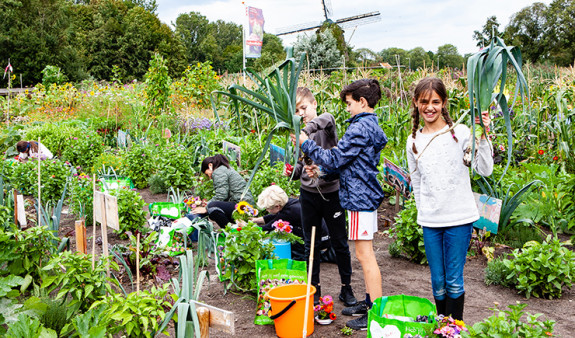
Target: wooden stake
204,318
81,242
308,291
39,186
93,224
138,264
397,197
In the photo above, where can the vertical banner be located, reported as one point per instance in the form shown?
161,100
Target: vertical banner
256,33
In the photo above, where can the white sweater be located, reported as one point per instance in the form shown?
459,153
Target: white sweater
441,183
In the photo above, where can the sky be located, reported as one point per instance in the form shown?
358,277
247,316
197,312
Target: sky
404,24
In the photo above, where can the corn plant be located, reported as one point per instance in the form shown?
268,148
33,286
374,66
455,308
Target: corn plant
275,96
485,70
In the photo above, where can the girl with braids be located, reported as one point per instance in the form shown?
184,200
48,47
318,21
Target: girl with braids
446,207
229,186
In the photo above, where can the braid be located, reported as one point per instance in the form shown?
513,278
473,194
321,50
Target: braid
449,121
415,119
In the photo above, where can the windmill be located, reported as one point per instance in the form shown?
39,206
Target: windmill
350,21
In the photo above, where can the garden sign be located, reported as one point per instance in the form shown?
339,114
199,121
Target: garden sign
489,212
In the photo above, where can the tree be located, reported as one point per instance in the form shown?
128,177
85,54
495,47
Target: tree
114,33
561,33
272,53
368,56
192,29
448,56
418,58
390,55
490,29
35,34
528,30
321,49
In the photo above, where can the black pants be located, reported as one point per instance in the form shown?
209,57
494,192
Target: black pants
221,212
313,209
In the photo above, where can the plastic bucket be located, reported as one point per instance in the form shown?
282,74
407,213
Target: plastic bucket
288,310
282,250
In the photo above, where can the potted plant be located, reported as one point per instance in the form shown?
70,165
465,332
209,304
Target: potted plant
324,314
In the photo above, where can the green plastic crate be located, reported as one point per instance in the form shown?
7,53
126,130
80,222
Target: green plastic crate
167,209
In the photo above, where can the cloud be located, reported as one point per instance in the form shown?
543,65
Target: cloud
404,24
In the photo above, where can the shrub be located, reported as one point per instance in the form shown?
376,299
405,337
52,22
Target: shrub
518,234
130,211
139,165
542,270
197,83
82,149
52,75
72,275
243,248
53,176
496,273
176,166
81,197
408,234
158,184
25,252
268,175
108,160
137,314
508,324
157,86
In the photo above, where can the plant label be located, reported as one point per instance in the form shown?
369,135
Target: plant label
221,320
112,212
233,151
397,178
20,210
110,208
489,212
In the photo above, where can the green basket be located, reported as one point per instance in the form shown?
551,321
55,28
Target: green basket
389,316
167,209
114,183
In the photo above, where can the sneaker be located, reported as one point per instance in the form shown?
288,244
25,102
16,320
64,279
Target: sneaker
346,296
316,295
358,323
359,309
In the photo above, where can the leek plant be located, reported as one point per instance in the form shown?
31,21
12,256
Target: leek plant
485,70
275,95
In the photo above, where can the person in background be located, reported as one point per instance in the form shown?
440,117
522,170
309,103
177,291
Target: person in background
320,198
229,186
276,202
356,157
33,149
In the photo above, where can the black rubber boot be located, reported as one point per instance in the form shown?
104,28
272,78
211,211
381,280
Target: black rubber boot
317,294
440,305
454,307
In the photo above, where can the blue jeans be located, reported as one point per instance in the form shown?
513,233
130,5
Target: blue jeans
446,251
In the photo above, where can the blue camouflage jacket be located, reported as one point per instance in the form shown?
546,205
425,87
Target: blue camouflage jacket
355,157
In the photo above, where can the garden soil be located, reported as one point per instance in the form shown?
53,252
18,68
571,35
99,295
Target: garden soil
399,276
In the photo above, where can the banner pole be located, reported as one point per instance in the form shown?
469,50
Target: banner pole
244,26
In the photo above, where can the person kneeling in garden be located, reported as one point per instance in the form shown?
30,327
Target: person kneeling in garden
276,202
229,186
32,149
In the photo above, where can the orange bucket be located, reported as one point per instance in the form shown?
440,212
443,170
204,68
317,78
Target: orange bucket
288,310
